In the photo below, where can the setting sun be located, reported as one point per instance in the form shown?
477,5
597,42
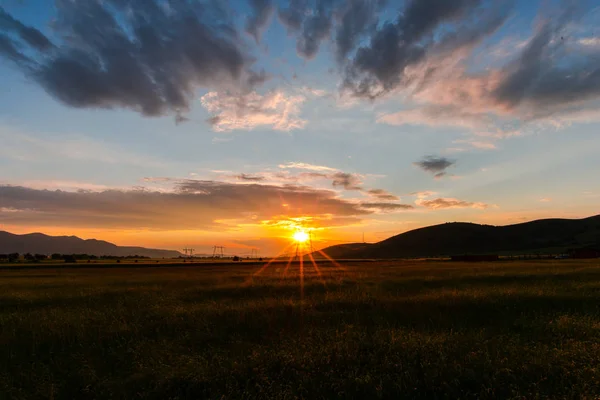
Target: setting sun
300,236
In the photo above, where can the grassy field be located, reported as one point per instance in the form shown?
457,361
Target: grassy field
392,330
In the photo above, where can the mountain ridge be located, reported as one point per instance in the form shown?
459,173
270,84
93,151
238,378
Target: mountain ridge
454,238
40,243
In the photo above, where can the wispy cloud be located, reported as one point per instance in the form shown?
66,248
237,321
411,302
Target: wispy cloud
32,148
448,203
310,167
232,111
382,195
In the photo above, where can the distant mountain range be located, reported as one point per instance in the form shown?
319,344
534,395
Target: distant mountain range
38,243
544,236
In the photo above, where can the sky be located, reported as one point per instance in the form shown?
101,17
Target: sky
190,123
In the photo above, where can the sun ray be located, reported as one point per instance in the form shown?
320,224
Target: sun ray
287,267
272,260
338,265
302,279
317,269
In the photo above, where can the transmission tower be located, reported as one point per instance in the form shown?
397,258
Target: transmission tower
186,251
254,253
218,251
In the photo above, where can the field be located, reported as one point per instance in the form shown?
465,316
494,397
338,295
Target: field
430,330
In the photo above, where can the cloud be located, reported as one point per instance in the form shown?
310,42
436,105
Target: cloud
258,20
423,30
386,207
63,148
275,109
423,194
435,116
477,144
193,204
311,167
143,56
435,165
358,17
549,80
382,195
182,204
312,25
250,178
346,180
31,36
545,200
446,203
293,16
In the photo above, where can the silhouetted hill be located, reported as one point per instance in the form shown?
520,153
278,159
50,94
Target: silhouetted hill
44,244
339,250
454,238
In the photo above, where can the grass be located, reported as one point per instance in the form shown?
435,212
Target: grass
390,330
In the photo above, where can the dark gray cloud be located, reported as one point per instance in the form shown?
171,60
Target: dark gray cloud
548,73
346,180
382,194
316,28
31,36
380,66
261,15
435,165
357,18
136,54
293,16
310,21
249,177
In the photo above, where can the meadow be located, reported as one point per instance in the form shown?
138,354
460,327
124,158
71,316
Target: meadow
393,330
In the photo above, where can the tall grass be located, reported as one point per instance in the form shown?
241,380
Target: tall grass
362,331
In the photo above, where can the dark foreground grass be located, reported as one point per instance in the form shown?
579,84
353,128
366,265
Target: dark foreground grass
363,331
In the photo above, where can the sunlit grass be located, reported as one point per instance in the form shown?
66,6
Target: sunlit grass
368,330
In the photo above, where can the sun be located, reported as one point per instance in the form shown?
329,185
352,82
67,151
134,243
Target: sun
300,236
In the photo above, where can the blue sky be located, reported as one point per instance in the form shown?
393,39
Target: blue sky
483,111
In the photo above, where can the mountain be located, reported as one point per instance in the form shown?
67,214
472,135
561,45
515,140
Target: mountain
341,250
545,235
38,243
